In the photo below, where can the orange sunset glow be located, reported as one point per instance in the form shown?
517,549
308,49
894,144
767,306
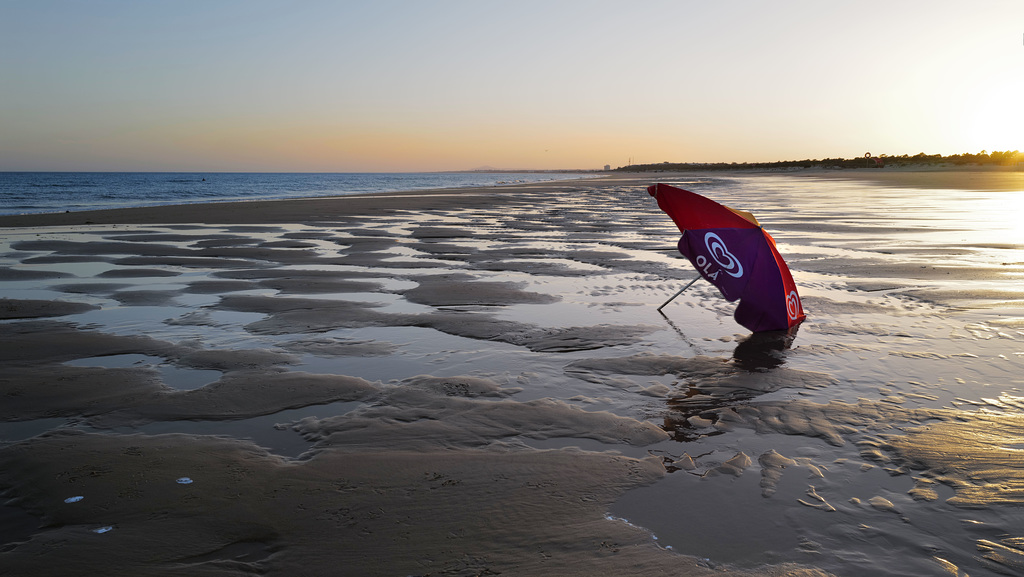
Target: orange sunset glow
411,86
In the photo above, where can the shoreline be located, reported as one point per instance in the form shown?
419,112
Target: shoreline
80,192
275,211
320,209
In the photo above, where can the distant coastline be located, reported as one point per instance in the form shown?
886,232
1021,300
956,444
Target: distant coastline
996,160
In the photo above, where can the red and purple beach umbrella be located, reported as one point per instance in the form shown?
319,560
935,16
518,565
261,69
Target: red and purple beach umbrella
731,251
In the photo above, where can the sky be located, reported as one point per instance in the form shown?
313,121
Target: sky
425,85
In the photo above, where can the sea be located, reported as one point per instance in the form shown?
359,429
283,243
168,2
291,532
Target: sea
42,192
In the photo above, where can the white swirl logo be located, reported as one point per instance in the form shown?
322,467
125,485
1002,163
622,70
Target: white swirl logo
725,259
793,305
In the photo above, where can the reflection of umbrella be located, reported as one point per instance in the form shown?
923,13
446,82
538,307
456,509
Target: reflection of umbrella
731,251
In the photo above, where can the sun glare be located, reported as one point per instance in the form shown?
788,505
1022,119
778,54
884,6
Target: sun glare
995,119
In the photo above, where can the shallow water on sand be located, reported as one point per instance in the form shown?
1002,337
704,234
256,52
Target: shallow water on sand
884,436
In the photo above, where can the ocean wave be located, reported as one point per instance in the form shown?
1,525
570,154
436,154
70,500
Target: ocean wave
52,191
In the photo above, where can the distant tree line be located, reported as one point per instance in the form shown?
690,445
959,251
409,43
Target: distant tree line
983,158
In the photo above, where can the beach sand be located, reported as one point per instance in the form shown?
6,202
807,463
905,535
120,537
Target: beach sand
1004,178
475,382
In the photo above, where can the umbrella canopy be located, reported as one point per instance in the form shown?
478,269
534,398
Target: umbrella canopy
731,251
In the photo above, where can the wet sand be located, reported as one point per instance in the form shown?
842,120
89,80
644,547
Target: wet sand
475,382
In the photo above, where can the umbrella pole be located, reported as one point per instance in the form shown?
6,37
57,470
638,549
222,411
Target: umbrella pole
688,285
